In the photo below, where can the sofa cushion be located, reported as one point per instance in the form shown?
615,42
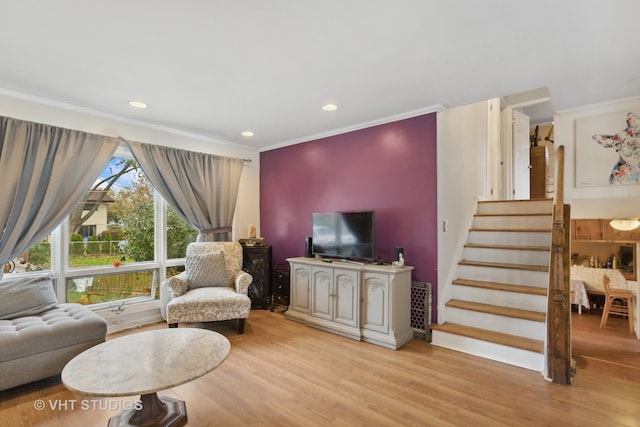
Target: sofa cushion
67,325
206,269
26,296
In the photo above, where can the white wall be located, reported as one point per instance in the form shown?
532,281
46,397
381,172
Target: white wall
612,201
462,180
62,115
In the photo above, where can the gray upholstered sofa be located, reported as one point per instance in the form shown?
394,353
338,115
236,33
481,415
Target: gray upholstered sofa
38,336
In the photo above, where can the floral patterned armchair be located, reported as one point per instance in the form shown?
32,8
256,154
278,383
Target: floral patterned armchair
212,287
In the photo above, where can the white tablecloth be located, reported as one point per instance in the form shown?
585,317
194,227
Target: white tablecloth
579,294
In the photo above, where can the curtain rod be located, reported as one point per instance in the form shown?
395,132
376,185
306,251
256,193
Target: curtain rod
245,160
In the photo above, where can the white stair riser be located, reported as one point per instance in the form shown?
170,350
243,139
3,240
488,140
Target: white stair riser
504,275
492,322
510,207
512,356
509,256
513,222
510,238
507,299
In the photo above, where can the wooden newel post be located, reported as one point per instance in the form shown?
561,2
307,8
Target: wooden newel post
559,305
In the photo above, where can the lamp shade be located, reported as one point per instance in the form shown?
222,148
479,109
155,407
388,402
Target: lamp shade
626,224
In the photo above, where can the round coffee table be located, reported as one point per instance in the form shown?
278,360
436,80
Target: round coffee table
145,363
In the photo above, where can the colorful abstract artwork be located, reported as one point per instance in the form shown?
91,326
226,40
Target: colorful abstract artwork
608,150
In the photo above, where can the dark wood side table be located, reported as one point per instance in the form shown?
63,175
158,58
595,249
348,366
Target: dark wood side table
256,260
281,285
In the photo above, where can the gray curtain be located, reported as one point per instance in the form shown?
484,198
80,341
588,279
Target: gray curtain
201,188
44,172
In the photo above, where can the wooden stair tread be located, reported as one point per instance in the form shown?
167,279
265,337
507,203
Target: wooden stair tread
542,268
495,286
498,310
509,247
517,230
524,201
522,343
549,214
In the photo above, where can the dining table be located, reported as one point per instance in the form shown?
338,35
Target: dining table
579,295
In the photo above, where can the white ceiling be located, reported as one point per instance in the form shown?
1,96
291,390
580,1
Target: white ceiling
216,68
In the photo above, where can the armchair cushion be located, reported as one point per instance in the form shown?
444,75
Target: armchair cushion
206,269
208,305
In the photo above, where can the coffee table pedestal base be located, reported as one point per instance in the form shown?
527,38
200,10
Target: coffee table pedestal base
155,411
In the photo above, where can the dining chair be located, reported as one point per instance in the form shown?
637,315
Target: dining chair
617,301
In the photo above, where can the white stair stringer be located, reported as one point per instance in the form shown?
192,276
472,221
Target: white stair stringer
497,306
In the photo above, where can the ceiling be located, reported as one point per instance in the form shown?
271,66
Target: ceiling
216,68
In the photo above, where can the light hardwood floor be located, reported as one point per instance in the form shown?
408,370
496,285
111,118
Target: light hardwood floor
284,373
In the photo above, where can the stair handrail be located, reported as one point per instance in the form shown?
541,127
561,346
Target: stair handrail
559,365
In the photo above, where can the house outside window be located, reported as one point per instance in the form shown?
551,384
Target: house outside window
87,231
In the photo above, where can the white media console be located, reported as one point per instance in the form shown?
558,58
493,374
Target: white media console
367,302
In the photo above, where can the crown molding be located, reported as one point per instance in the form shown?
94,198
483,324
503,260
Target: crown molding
438,108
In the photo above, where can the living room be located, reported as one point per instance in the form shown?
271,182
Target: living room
418,169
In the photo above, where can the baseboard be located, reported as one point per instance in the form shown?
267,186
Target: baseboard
131,316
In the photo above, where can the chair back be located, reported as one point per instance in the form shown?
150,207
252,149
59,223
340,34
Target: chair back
605,283
232,255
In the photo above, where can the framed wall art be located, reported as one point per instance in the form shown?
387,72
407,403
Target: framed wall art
608,149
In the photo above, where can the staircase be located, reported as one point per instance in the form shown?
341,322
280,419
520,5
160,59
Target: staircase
497,305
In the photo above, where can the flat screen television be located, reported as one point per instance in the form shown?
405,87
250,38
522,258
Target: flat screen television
346,235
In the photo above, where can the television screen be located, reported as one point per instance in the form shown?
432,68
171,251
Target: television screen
348,235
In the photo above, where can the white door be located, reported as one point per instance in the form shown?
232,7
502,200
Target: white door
520,156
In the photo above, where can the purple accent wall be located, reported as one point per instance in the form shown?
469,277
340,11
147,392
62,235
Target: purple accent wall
390,169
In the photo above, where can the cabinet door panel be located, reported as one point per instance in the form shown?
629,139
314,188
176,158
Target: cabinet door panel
321,293
375,307
300,288
257,262
346,297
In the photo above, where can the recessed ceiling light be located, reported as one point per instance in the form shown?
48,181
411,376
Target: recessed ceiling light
247,133
138,104
330,107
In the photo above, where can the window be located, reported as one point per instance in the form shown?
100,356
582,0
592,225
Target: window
112,228
116,246
111,287
179,235
36,258
115,223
